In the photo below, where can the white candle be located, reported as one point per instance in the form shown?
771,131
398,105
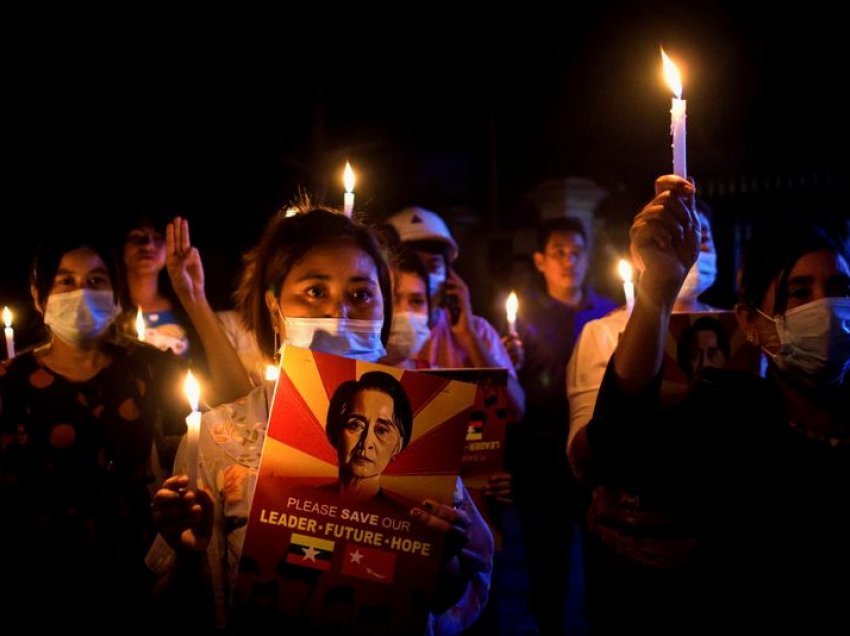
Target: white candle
511,308
193,426
348,199
10,333
140,325
678,115
625,270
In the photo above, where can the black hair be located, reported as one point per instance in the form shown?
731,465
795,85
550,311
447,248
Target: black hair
287,238
405,260
49,254
342,401
567,225
686,341
772,253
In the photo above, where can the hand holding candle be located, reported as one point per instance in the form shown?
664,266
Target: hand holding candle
10,333
677,116
193,426
625,270
348,182
511,308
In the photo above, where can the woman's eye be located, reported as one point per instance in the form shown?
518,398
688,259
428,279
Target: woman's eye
315,291
99,282
64,281
362,295
354,425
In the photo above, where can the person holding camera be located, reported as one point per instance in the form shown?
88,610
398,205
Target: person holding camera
459,339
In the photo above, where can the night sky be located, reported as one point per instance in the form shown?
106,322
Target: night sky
216,116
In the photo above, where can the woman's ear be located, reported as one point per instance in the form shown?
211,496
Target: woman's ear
746,316
35,301
274,310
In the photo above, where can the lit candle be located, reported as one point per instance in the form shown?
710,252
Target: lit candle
677,116
625,270
140,325
348,181
272,372
10,333
511,308
193,426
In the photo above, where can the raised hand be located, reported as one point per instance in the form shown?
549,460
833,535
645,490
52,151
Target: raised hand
183,261
666,237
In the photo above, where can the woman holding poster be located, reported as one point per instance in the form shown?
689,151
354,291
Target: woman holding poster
316,280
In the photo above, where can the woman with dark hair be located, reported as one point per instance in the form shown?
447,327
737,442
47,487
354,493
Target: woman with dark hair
369,422
316,280
78,416
174,307
759,468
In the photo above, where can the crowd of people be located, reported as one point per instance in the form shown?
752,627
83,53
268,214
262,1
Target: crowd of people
680,503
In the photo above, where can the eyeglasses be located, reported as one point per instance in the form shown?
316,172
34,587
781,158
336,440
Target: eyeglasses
140,238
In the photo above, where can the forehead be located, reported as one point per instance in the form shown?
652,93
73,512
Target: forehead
337,260
409,283
706,338
564,240
372,400
81,260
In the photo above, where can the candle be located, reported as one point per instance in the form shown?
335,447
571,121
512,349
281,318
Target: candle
272,372
10,333
348,181
140,325
625,270
677,116
193,426
511,307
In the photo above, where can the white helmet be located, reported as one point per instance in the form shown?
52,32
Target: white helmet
419,224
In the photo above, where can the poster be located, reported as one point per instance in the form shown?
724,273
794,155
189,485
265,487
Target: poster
351,447
484,448
700,340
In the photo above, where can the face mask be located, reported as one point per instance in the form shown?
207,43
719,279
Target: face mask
81,315
815,340
701,276
435,282
358,339
407,336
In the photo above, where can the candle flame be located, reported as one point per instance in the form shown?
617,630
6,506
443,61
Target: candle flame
348,178
7,317
290,212
672,75
192,390
512,306
624,268
272,372
140,325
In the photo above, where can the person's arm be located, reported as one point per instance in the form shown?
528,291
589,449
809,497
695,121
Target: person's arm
666,237
229,379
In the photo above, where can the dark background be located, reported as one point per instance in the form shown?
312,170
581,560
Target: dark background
225,118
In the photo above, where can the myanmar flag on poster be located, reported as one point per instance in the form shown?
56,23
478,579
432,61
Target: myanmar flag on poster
368,563
310,552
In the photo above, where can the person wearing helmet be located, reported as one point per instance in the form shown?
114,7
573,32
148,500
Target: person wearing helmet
459,339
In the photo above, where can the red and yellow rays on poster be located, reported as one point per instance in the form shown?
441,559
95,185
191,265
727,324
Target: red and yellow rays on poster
317,557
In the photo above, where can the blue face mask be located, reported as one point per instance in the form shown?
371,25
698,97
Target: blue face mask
358,339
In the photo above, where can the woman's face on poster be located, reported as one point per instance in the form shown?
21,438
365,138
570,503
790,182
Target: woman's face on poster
370,437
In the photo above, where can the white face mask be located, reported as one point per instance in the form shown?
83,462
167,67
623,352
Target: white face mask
701,276
435,283
81,315
815,340
358,339
407,336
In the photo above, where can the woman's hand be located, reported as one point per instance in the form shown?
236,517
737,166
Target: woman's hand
666,236
183,517
455,286
499,488
183,261
516,350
